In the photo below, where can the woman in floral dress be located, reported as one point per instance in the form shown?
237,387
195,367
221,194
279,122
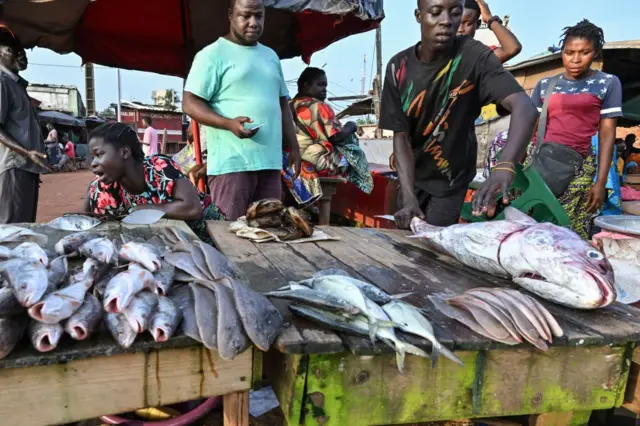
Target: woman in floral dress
127,181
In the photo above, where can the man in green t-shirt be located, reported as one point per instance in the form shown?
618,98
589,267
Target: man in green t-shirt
237,90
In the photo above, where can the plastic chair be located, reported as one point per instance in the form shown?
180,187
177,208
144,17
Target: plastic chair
536,200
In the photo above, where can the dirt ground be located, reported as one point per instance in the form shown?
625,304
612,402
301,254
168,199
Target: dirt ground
62,193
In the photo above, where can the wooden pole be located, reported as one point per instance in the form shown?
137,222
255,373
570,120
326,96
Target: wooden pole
377,83
195,128
163,147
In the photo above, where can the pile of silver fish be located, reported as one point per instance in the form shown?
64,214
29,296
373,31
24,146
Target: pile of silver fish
130,287
333,299
548,260
503,315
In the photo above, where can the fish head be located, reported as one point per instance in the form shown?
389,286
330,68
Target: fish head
557,256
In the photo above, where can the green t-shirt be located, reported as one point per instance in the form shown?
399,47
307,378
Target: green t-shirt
241,81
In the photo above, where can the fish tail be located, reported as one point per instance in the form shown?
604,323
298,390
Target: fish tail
413,350
435,355
400,356
373,330
447,353
401,296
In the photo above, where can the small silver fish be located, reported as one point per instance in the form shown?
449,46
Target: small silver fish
11,236
140,310
71,243
164,278
74,222
86,319
28,279
31,251
165,320
58,271
60,304
144,254
100,249
120,329
45,337
123,287
307,296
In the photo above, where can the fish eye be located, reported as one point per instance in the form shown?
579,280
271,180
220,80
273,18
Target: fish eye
593,254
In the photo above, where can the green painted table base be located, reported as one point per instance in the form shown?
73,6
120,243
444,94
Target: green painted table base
344,389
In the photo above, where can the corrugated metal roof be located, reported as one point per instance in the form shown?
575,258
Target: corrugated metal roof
145,107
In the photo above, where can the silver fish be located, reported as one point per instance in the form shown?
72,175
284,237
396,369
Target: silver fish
412,321
92,270
165,320
144,254
45,337
233,338
100,285
164,278
120,329
11,331
58,271
74,222
305,295
28,279
123,287
140,310
206,310
86,319
182,296
100,249
60,304
71,243
548,260
9,305
31,251
369,290
359,326
11,235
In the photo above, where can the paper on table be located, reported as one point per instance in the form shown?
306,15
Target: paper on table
143,217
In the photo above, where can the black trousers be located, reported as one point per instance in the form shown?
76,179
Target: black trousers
18,196
442,211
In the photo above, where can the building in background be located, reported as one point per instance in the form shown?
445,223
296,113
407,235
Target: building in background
170,119
53,97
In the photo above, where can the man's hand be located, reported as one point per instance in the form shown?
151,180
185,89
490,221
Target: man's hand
236,126
405,215
295,162
596,197
499,181
485,12
37,158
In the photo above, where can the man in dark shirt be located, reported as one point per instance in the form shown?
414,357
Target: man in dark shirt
432,94
21,144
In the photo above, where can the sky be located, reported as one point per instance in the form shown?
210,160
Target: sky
538,24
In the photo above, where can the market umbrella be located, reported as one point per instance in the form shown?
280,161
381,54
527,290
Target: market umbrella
60,118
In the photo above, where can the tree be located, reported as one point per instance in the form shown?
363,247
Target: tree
108,112
365,120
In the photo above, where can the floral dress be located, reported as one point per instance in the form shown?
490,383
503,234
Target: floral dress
161,174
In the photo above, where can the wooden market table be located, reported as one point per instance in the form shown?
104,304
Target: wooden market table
87,379
324,378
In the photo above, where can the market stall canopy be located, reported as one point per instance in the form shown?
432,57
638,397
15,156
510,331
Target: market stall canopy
60,118
161,35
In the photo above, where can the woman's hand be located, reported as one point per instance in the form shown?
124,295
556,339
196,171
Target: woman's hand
596,197
485,12
499,181
295,161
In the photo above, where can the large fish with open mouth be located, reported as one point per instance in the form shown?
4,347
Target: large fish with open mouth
28,251
100,249
144,254
72,242
122,288
60,304
28,279
86,319
548,260
13,235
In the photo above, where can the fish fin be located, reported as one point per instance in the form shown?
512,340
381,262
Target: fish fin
512,214
435,355
400,354
283,288
448,354
384,323
401,296
413,350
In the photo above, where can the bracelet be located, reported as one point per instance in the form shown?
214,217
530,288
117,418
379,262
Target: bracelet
504,168
506,162
493,19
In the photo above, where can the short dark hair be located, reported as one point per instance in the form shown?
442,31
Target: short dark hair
587,30
309,75
147,119
630,137
120,135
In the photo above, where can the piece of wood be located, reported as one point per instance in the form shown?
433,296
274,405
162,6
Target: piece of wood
236,409
87,388
288,376
551,419
632,391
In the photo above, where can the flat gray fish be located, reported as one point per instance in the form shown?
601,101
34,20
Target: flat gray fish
74,223
261,320
232,337
413,322
218,264
307,296
359,326
71,243
86,319
45,337
165,320
31,251
550,261
11,236
28,279
140,310
556,330
201,263
100,249
498,304
123,287
100,285
182,296
164,278
120,329
9,305
11,331
206,315
172,235
60,304
492,326
182,276
523,325
144,254
184,261
529,312
58,272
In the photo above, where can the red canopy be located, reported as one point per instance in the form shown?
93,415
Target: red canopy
161,35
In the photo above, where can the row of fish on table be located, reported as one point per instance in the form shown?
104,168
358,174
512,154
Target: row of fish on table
131,286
